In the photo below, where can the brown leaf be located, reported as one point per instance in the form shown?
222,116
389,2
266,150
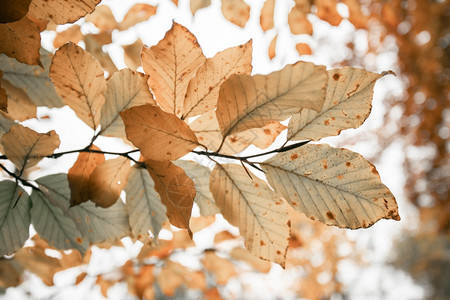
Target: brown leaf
78,79
236,11
173,275
356,16
41,24
136,14
102,18
108,180
80,278
78,175
258,264
72,34
13,11
25,147
298,22
272,47
20,107
158,135
200,223
10,273
223,236
171,64
303,49
222,269
176,189
266,18
61,11
203,89
132,54
21,40
3,96
94,47
198,4
327,11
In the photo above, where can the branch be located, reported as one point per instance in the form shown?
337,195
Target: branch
87,149
18,178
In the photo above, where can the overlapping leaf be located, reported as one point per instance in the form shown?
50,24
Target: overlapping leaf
145,209
347,104
203,89
78,79
19,105
298,22
335,186
171,64
102,18
13,10
236,11
266,18
195,5
159,135
25,147
14,217
252,206
132,54
137,13
124,90
252,101
61,11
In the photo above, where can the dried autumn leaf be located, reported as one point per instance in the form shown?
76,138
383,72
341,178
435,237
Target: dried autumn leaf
250,205
236,11
222,269
203,89
25,147
327,11
136,14
303,49
198,4
253,101
94,47
347,104
173,275
272,47
356,17
124,89
72,34
335,186
132,54
258,264
108,180
37,262
13,11
144,206
21,40
78,79
298,22
61,11
102,18
78,175
176,189
171,64
14,217
20,106
10,273
157,134
5,125
266,18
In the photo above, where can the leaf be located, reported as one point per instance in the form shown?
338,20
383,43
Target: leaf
53,226
146,124
195,5
273,47
25,147
78,79
252,101
256,263
298,23
222,268
78,175
13,10
10,273
327,11
200,176
14,217
236,11
96,224
20,106
335,186
171,64
34,80
136,14
303,49
94,46
173,275
266,18
108,180
143,204
61,11
72,34
203,89
356,16
5,125
250,205
347,104
21,40
103,18
132,54
176,189
124,89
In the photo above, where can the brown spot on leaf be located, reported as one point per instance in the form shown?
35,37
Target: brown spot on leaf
267,131
262,243
233,139
312,218
326,122
256,184
278,252
340,177
348,164
374,171
294,156
336,76
330,215
79,240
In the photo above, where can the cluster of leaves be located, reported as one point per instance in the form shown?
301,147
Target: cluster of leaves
155,112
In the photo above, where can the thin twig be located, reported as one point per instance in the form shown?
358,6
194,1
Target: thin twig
18,178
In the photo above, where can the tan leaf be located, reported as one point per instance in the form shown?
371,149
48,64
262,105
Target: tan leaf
223,236
41,24
176,189
347,104
173,275
13,11
303,49
78,79
236,11
94,47
61,11
250,205
20,106
222,269
203,89
272,47
157,134
260,137
171,64
335,186
258,264
21,40
266,18
136,14
25,147
124,89
108,180
327,11
199,223
72,34
132,54
298,22
102,18
78,175
198,4
10,273
252,101
356,17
